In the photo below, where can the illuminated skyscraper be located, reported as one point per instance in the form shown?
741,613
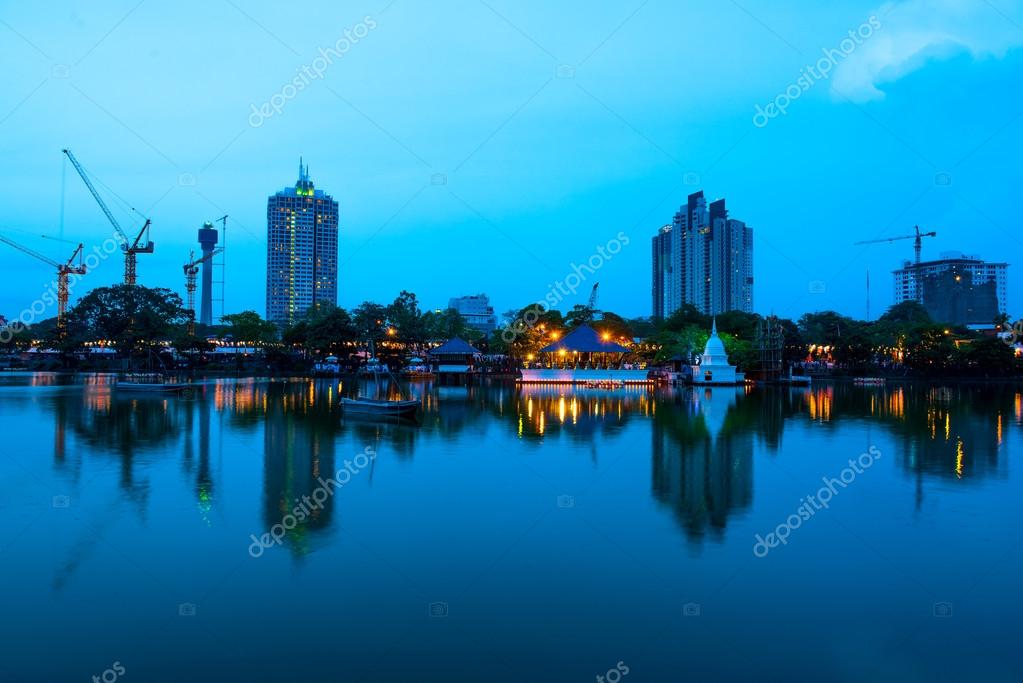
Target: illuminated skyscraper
705,259
301,250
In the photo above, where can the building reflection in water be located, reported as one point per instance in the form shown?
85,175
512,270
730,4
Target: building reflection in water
549,410
702,467
703,440
298,450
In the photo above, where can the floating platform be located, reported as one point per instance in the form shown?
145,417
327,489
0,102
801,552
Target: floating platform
553,376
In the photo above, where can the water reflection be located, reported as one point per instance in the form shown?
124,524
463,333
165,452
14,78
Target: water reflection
703,441
702,459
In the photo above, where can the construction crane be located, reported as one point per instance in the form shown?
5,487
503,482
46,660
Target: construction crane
917,245
140,245
191,270
591,305
63,270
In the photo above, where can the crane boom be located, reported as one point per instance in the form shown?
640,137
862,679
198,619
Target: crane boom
197,261
31,252
916,246
130,248
97,197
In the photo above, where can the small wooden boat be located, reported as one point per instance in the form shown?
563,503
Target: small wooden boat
382,407
151,387
149,383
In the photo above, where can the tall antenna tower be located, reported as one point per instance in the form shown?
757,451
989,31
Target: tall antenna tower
868,294
219,273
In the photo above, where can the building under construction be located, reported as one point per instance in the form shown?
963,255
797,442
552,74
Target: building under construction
955,289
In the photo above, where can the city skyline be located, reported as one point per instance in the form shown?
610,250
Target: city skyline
503,188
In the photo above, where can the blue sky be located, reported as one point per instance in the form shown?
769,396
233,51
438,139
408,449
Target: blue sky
554,128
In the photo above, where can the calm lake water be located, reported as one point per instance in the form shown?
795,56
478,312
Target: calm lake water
516,534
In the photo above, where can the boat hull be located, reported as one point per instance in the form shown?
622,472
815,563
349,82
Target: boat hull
361,406
150,388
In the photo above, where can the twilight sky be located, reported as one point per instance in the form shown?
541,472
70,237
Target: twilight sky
487,145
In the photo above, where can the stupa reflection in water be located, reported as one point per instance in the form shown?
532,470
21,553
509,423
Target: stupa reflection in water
702,469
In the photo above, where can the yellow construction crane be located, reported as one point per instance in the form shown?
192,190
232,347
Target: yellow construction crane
63,270
191,270
128,246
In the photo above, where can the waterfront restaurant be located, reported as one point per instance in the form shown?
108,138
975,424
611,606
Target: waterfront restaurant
584,355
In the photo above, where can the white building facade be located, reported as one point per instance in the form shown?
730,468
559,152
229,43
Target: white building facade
477,311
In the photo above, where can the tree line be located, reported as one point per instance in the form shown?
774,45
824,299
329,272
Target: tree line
136,321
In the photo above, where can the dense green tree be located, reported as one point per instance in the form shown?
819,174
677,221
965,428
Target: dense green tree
684,317
990,357
906,313
614,325
249,326
447,324
370,321
331,331
133,318
642,327
406,320
579,315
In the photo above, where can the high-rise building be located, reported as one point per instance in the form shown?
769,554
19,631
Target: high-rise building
477,311
662,270
956,289
703,258
301,250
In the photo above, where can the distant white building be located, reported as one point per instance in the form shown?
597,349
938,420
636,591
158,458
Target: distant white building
477,311
713,367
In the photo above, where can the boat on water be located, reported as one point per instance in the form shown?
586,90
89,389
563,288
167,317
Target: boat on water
148,383
379,407
869,381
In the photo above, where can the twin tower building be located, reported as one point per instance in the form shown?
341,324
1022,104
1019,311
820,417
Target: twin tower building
703,258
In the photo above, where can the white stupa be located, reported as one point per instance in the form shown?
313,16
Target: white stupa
713,367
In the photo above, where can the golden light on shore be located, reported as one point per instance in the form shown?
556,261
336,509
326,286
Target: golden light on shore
605,336
391,331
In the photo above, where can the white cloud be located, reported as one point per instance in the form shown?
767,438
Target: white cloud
914,32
